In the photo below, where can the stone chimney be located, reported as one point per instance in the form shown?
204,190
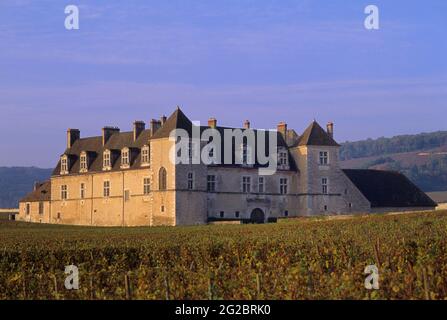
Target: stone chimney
163,120
282,128
72,136
138,127
107,132
330,129
247,124
155,125
212,122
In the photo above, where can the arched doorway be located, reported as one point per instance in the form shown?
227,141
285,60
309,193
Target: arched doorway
257,216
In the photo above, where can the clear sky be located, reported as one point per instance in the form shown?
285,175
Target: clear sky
266,61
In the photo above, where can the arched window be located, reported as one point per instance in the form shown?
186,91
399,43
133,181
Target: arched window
162,179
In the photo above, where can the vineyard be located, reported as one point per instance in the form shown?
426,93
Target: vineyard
307,258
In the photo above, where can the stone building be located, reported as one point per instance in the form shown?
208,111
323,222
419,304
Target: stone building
128,179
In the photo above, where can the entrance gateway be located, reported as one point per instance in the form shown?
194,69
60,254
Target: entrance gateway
257,216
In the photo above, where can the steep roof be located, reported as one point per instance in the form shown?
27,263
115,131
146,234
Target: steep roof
177,120
388,189
119,140
41,193
315,135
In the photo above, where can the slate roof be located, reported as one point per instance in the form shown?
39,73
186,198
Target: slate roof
315,135
388,189
119,140
42,193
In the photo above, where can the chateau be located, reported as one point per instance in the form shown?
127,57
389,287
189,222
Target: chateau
128,179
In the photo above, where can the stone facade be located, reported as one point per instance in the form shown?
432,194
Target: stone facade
314,186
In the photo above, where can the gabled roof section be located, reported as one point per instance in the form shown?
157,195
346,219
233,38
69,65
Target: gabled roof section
177,120
388,189
42,193
315,135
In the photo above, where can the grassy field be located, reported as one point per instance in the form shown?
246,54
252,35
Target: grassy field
294,259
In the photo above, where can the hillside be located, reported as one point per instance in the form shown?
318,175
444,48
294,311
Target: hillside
15,182
422,157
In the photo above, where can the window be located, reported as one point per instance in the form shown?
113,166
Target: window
64,164
237,214
64,192
126,195
222,214
283,158
146,186
28,209
325,208
145,155
246,184
350,205
190,180
162,208
58,215
211,183
324,158
41,207
324,184
283,186
106,189
125,158
162,177
82,192
107,164
83,162
286,213
261,184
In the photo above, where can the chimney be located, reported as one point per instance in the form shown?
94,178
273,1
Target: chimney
155,125
247,124
330,129
36,185
282,128
138,127
212,123
107,132
163,120
72,136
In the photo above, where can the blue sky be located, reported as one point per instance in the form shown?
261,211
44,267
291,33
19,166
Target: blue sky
266,61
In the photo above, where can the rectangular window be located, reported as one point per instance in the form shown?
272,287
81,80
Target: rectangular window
125,158
64,165
324,158
246,184
28,209
283,186
283,158
41,207
146,186
190,180
82,191
211,183
83,164
107,162
145,155
64,192
261,184
106,190
126,195
324,184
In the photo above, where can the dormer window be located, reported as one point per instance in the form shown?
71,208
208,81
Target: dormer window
107,163
324,158
125,158
64,164
83,162
283,158
145,155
